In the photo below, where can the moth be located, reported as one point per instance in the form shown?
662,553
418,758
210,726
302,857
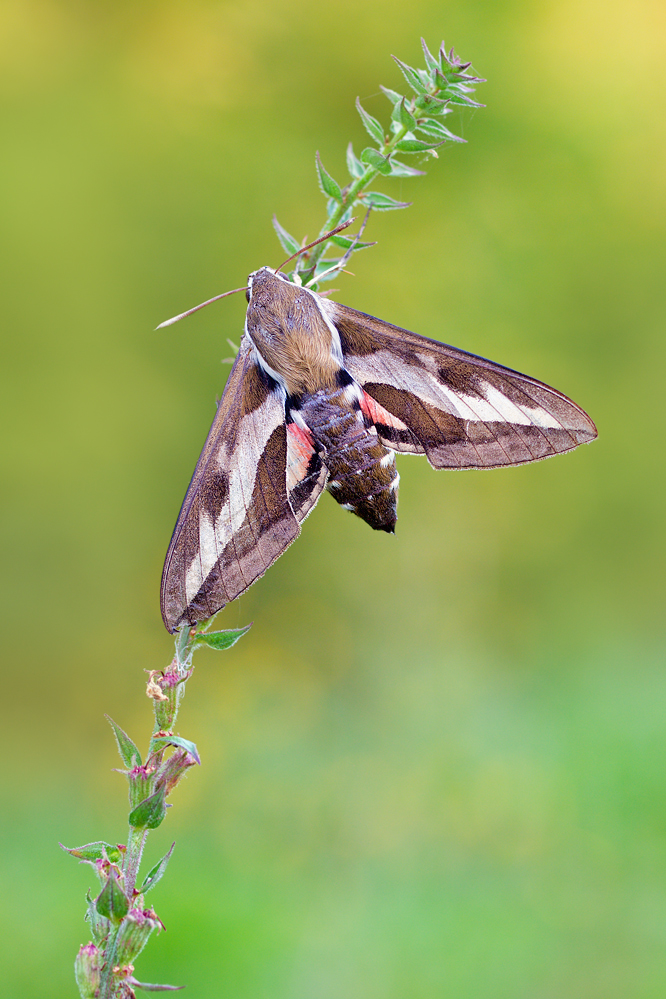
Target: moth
321,397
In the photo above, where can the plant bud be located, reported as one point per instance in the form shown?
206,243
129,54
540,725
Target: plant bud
87,971
133,934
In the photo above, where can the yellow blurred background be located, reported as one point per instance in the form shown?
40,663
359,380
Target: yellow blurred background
435,767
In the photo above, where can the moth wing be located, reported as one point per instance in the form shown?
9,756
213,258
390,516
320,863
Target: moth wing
461,410
244,505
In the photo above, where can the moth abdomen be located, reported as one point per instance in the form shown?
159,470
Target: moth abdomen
362,472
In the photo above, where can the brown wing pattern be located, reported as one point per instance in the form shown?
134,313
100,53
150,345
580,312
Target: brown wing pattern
461,410
236,518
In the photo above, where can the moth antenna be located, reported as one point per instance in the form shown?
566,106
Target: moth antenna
170,322
333,232
340,266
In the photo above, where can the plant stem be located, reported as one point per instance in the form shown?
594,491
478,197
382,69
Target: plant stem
136,840
349,197
107,985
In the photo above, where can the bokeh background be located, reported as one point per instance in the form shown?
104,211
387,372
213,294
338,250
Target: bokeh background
436,766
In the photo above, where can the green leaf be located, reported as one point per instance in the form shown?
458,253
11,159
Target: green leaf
332,266
417,146
402,170
147,987
99,926
150,812
112,902
382,202
454,96
431,62
345,243
354,165
329,186
403,116
130,755
412,77
376,160
431,105
174,740
289,244
222,639
437,131
155,874
373,128
96,851
391,94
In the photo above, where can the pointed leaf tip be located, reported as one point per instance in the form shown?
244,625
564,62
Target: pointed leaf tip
431,62
372,126
287,241
221,640
375,159
412,77
129,753
329,186
382,202
149,987
161,742
156,873
96,851
150,812
112,903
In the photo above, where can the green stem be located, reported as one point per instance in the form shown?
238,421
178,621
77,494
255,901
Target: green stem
136,840
349,197
106,984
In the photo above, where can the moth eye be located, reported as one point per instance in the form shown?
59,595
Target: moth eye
247,294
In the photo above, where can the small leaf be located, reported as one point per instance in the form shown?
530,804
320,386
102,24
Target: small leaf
345,243
412,77
147,987
112,903
417,146
289,244
431,105
354,165
437,131
174,740
382,202
154,875
402,170
326,263
150,812
454,95
403,116
222,639
373,128
99,926
329,186
96,851
391,94
130,755
376,160
431,62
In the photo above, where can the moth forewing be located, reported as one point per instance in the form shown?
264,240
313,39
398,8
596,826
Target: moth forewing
236,518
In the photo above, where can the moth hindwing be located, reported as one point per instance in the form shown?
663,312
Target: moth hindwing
320,397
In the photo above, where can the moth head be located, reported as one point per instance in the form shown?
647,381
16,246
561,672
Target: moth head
262,280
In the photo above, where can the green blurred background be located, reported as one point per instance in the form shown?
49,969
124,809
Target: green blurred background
436,765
